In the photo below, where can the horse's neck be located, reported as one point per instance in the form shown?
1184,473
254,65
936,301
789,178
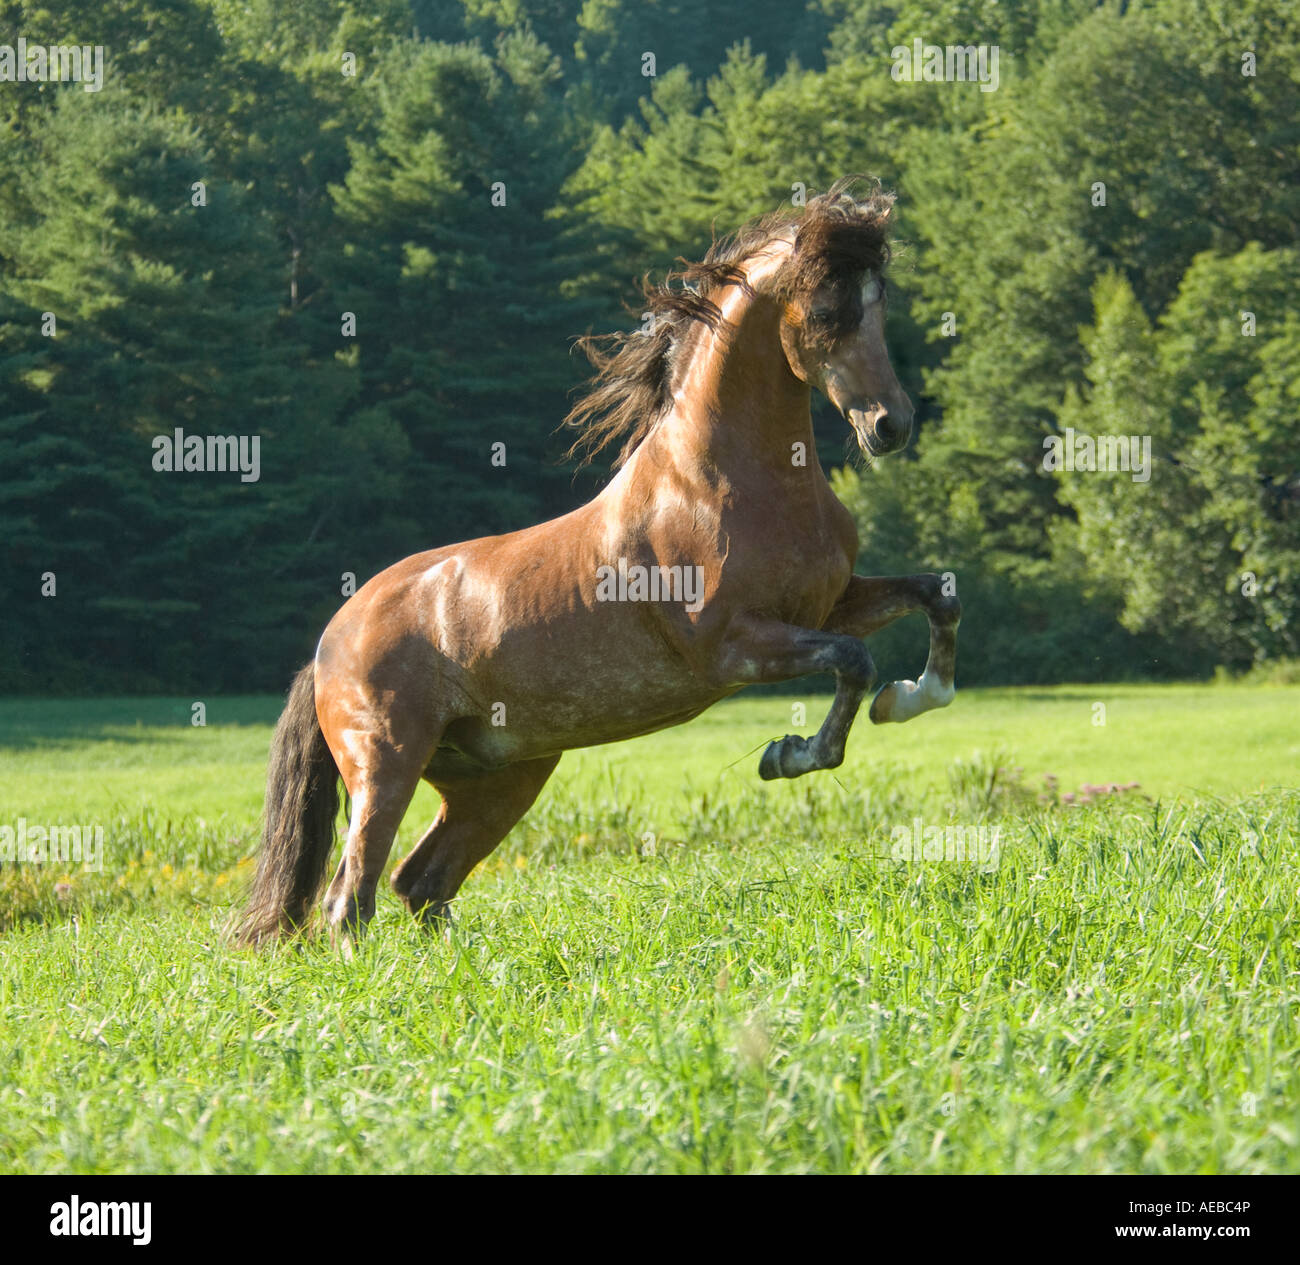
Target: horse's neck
737,400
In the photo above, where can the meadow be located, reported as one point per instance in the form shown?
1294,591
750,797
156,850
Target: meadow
673,967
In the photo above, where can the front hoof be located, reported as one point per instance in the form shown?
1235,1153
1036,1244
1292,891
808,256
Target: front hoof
882,706
769,767
787,757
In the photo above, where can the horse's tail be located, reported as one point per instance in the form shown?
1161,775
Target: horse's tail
302,802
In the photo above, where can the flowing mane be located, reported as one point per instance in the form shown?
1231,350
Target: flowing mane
839,238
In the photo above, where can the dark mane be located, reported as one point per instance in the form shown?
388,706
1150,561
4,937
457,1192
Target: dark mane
840,236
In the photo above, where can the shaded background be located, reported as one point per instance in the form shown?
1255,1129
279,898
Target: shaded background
1019,305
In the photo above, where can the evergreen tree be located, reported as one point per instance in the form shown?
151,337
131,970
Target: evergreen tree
165,316
1209,550
459,278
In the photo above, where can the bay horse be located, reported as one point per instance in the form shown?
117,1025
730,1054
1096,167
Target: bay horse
475,666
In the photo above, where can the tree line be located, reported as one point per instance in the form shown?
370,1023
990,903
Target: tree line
366,235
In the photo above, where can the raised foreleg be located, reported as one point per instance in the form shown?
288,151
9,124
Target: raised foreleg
869,603
758,651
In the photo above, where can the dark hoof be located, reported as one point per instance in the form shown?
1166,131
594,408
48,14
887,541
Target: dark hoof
769,767
790,757
435,917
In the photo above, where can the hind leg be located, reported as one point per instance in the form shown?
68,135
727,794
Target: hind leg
476,814
381,777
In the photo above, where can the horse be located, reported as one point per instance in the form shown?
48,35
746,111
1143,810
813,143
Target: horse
475,666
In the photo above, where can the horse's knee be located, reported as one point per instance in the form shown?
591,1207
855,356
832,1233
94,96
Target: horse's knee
942,606
855,666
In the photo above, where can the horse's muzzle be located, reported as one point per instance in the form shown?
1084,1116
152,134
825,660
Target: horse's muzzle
879,431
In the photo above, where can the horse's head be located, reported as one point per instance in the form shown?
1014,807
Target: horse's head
845,358
833,330
820,274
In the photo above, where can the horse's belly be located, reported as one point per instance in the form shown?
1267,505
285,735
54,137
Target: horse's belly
529,731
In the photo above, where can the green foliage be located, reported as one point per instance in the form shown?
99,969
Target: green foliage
141,283
1211,546
350,154
458,276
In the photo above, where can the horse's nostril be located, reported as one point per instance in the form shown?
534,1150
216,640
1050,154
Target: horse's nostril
887,429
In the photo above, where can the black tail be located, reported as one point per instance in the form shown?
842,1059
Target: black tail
302,802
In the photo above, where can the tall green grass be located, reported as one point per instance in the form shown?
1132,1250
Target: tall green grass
654,976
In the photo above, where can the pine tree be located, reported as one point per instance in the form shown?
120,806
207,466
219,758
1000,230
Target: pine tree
461,279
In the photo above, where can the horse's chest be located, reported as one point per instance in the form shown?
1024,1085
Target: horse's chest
801,568
783,555
812,584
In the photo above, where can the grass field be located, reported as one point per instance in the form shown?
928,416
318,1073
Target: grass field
671,966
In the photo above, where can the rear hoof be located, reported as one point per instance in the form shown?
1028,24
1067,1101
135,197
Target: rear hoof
345,942
435,917
348,918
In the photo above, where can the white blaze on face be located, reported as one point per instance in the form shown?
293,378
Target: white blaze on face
845,375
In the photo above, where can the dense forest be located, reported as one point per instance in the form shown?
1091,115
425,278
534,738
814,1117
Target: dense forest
367,234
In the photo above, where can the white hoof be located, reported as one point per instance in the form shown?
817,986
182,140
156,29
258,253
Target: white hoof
901,700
